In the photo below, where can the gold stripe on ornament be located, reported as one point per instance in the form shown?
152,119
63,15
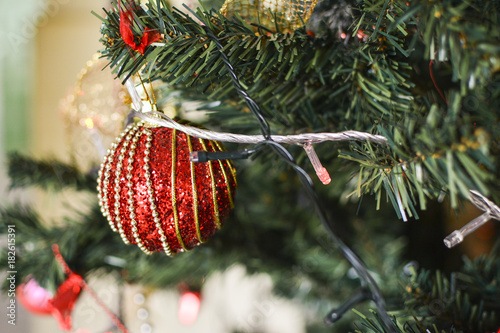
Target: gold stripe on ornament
214,188
195,193
174,200
233,173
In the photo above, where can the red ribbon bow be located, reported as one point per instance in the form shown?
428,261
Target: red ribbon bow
149,36
67,294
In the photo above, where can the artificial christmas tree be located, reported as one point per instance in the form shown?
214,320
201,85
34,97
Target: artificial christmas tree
407,90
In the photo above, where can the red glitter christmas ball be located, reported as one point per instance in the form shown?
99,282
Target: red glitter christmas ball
155,197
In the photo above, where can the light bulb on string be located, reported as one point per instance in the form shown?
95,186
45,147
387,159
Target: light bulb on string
491,211
189,307
321,171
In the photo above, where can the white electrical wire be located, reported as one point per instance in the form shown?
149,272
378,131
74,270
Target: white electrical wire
159,119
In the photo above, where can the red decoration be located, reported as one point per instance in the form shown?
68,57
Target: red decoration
155,197
64,301
40,301
34,298
67,295
435,83
149,36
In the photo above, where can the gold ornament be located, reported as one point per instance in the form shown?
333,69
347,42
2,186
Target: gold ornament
275,15
94,112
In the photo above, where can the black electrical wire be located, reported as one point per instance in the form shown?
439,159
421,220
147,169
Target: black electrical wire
367,280
334,315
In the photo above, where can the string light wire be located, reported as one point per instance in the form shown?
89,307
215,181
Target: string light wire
367,280
369,286
160,119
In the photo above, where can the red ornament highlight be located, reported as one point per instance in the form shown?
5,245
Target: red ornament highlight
189,307
40,301
155,197
34,298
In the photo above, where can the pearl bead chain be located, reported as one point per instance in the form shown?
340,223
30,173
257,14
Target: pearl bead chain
150,190
117,188
130,193
102,187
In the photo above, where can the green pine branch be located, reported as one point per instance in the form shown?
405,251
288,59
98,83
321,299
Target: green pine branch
286,73
466,301
410,180
47,174
304,83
